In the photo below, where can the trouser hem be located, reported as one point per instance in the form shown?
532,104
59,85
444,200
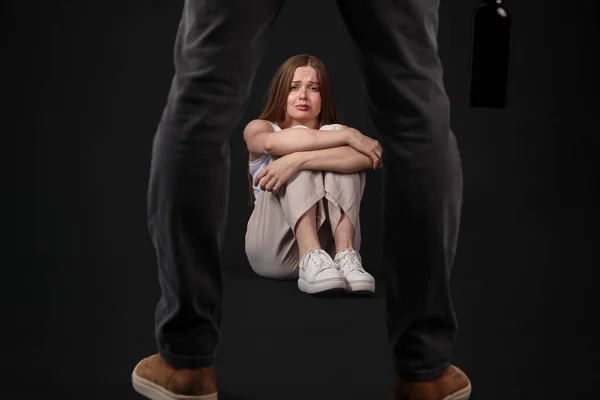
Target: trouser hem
422,376
178,361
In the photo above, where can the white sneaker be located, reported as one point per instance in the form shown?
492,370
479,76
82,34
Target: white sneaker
319,273
357,279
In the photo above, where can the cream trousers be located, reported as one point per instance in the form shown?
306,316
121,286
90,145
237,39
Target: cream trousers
271,245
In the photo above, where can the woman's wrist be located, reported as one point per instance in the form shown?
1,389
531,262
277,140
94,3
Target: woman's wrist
347,133
300,159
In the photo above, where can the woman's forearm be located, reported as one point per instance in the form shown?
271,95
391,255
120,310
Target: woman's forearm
344,159
293,140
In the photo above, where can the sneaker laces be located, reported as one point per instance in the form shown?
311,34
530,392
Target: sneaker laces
320,260
352,258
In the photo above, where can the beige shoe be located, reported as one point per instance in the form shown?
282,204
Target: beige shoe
155,379
452,385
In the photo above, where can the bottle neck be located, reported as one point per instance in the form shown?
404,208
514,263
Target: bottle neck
498,2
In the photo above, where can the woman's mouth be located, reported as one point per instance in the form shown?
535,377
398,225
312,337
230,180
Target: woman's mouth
302,108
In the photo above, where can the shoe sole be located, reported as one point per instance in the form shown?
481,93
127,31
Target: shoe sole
156,392
328,286
462,394
360,288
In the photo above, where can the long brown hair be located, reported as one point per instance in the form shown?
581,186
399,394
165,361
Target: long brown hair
280,88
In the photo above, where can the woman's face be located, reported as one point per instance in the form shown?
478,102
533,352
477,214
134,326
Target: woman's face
306,92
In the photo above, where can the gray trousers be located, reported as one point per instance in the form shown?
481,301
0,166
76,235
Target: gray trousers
271,245
218,49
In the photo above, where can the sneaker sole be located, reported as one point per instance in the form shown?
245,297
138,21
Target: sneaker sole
156,392
462,394
361,288
333,285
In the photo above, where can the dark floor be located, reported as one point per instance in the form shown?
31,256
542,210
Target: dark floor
524,333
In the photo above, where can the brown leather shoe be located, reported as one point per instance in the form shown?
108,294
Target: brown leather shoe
452,385
155,379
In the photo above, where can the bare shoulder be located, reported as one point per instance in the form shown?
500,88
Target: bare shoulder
255,135
256,126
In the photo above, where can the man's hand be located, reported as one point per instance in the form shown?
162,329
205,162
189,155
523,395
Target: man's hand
275,175
365,145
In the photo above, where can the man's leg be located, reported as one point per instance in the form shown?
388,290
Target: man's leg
396,43
218,48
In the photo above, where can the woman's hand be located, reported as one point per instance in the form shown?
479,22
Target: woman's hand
275,175
365,145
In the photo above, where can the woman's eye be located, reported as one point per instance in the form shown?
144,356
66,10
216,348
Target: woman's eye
314,87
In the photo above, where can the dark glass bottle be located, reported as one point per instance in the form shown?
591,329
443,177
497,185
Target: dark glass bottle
490,55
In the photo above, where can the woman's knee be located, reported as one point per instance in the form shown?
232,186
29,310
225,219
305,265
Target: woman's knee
305,187
355,176
305,180
347,184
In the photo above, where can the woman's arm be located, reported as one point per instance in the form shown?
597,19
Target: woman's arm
293,140
344,159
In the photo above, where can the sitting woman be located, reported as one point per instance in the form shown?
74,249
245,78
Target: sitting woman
306,184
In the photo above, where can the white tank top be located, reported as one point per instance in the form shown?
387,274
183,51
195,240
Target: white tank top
259,164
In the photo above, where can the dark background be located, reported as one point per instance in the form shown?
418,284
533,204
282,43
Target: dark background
90,81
